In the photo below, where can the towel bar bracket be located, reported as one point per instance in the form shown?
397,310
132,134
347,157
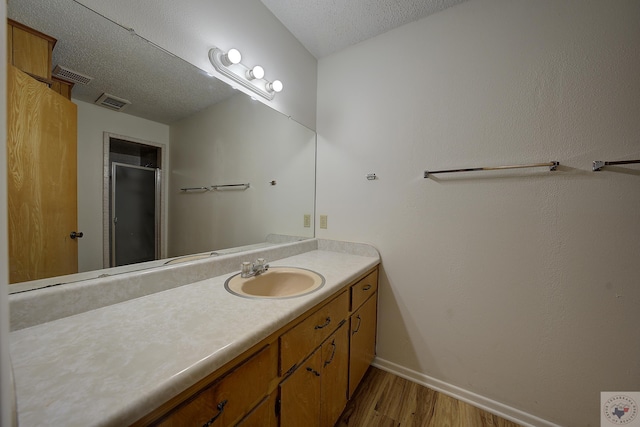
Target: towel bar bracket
599,164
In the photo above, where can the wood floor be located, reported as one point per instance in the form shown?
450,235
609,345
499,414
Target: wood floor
385,400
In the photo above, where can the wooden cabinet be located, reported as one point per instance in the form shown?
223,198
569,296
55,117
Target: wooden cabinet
263,415
30,50
62,87
302,377
229,398
334,369
363,289
300,394
301,340
335,373
363,342
315,394
314,358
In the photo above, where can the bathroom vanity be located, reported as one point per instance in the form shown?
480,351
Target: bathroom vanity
199,355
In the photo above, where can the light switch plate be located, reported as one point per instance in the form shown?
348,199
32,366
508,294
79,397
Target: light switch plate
307,220
323,221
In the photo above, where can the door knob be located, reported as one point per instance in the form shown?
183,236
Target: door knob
75,234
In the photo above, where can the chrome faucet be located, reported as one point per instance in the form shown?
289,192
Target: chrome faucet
253,269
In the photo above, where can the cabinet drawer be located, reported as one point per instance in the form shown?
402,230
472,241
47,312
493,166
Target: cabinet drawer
228,399
302,339
363,289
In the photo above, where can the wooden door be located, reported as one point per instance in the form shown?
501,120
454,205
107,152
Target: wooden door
335,375
363,341
42,182
300,394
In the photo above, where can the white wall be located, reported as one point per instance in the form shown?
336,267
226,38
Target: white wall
93,121
239,141
518,286
189,28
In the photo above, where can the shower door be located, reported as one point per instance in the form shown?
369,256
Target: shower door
135,209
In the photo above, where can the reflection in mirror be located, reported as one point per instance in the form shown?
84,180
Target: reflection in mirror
211,135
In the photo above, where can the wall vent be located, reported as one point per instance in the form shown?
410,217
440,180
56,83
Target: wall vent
70,75
112,102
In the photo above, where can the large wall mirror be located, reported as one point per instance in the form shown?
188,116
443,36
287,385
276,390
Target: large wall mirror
206,138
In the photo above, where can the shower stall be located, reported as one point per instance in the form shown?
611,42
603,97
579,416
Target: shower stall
135,196
133,223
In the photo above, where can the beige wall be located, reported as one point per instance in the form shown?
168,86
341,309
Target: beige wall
93,121
239,141
517,289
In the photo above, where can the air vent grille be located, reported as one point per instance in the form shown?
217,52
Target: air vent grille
70,75
112,102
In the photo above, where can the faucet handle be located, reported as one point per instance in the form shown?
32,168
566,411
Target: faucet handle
246,268
260,262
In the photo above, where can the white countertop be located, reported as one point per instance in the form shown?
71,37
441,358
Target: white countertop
113,365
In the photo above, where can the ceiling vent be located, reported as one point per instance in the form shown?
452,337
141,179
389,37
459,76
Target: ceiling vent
70,75
112,102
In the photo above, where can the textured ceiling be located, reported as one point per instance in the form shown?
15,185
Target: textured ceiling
327,26
164,88
161,87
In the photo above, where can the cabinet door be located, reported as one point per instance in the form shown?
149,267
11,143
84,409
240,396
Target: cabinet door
335,374
61,87
30,51
264,415
363,341
300,394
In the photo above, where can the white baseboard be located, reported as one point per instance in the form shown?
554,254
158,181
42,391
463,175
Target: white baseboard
469,397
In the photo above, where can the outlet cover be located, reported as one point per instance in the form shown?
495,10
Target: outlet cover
323,221
307,220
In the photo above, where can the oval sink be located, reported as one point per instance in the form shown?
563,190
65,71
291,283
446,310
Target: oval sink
277,282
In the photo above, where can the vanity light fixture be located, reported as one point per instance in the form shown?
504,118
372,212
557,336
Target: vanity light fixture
228,64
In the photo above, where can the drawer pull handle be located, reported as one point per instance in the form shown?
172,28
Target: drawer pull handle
220,407
324,325
366,287
313,371
333,353
359,323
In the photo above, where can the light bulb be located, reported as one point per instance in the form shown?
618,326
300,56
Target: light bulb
276,86
256,72
233,56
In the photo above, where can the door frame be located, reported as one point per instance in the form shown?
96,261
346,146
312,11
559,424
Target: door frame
106,195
